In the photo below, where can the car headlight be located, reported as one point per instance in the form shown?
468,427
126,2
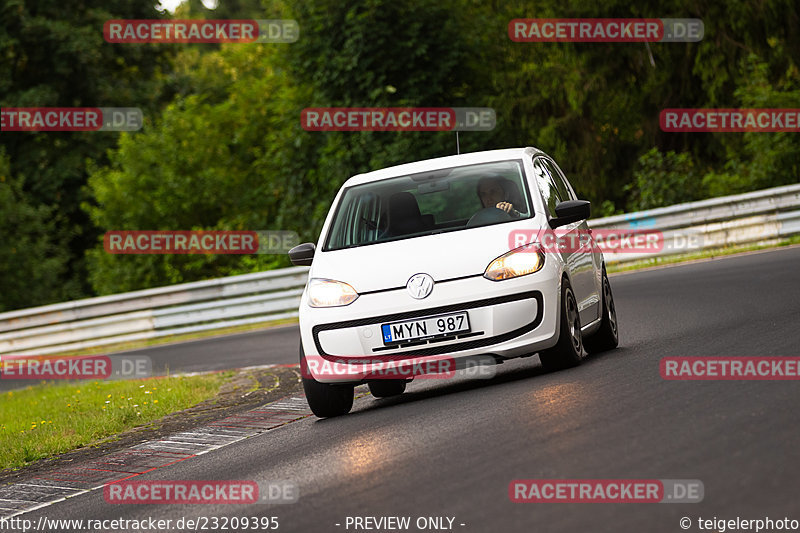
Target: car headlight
330,293
518,262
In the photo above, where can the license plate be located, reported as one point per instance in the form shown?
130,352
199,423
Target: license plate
425,328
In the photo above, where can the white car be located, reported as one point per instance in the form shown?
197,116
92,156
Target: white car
420,261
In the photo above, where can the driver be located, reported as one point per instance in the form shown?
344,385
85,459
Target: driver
492,192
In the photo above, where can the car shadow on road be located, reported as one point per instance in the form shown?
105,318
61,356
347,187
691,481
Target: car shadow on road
522,368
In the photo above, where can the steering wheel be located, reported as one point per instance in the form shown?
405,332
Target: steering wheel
488,215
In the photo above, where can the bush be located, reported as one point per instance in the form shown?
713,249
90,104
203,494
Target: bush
664,179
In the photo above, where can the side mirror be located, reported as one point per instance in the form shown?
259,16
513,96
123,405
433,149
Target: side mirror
569,212
302,254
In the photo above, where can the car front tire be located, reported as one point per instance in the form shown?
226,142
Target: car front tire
325,400
569,349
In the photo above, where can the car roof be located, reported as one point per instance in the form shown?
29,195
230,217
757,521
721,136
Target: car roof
442,162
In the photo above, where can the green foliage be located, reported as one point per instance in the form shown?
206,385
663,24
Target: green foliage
223,147
52,56
207,163
32,263
761,160
663,179
234,156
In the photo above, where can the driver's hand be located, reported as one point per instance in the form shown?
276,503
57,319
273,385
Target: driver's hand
505,206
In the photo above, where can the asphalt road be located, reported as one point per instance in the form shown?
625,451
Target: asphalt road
451,448
276,345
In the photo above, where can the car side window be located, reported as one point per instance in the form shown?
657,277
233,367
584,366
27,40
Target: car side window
560,181
547,186
362,222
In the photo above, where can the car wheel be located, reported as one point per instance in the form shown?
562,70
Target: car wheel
568,351
325,400
607,337
387,387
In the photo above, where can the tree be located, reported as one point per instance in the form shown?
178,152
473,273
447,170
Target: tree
56,57
32,264
238,157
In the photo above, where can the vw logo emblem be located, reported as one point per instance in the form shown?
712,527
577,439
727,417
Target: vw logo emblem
419,286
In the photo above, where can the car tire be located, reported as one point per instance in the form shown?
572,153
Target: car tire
568,351
607,337
325,400
387,387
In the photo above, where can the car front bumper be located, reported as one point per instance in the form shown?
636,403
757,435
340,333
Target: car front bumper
507,319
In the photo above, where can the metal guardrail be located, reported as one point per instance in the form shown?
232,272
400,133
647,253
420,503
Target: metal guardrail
761,216
151,313
768,215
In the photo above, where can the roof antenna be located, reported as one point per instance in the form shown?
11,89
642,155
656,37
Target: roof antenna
649,53
458,146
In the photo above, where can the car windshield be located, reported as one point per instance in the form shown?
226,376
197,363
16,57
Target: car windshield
442,200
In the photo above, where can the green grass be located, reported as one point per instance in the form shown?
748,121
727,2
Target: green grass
705,254
51,418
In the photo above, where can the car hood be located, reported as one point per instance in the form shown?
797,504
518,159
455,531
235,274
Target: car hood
443,256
